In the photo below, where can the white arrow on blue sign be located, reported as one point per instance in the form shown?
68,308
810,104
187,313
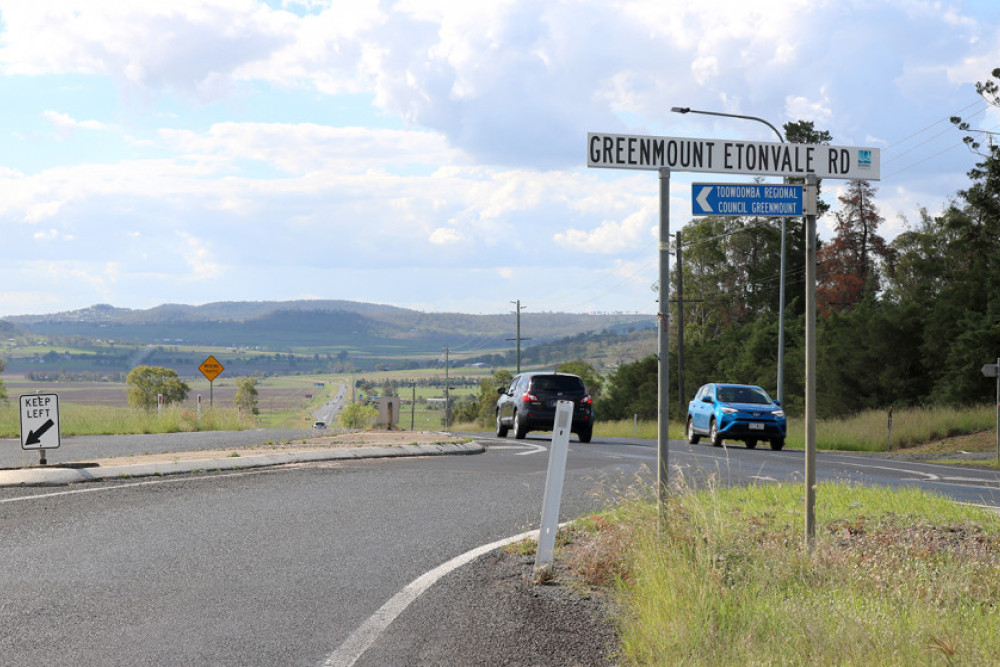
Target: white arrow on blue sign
746,199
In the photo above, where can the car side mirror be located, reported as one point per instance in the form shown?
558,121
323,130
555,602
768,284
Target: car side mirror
501,390
777,403
707,399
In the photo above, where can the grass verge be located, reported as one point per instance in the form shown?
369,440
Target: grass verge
104,420
897,577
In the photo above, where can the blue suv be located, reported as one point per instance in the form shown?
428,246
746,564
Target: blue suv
735,412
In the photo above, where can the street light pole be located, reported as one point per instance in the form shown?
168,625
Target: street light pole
784,224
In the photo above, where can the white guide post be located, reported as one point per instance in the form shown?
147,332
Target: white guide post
553,484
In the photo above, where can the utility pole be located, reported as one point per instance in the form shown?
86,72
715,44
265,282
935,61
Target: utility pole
680,301
517,305
663,349
680,329
447,397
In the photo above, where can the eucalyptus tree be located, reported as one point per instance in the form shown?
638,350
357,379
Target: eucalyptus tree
852,262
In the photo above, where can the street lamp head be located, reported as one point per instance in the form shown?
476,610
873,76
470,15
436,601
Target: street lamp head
680,109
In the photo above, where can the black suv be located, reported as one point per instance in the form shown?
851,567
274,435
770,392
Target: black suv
529,404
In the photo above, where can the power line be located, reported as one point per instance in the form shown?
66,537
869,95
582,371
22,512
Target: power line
985,106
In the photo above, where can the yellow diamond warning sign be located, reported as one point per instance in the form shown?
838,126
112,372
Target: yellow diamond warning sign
211,368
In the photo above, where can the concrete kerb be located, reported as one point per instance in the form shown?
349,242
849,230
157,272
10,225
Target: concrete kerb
55,476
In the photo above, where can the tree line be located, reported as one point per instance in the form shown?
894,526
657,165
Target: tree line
906,322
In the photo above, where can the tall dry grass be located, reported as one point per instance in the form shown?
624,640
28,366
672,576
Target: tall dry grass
897,577
867,431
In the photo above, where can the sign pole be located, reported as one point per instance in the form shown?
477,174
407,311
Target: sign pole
211,368
810,313
721,156
998,409
663,346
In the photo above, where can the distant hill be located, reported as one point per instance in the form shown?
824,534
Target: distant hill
320,326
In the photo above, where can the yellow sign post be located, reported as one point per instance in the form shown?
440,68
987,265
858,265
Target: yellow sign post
211,369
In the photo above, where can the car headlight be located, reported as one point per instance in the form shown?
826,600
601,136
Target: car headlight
778,413
728,411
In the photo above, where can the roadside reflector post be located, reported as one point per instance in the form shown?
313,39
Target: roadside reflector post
888,446
553,485
993,371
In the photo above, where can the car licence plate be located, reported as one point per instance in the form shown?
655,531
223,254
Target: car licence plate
756,426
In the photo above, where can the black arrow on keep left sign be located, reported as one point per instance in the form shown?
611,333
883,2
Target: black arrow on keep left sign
35,437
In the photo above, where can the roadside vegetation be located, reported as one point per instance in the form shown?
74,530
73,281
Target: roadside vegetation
864,432
895,577
107,420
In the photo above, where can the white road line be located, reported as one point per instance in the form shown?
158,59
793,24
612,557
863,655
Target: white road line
125,485
532,449
362,638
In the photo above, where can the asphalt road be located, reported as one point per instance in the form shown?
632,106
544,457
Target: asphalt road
329,411
283,565
89,447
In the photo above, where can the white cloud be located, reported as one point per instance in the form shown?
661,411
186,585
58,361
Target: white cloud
189,46
816,110
307,147
252,134
445,236
198,254
65,124
611,236
36,212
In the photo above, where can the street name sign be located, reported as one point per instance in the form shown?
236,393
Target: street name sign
211,368
39,421
730,156
746,199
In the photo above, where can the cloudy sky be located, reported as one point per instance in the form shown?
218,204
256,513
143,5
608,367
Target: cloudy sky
431,154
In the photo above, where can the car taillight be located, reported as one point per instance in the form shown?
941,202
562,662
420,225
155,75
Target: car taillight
586,400
529,397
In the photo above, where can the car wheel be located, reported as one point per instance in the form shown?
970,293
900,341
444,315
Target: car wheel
585,434
520,429
751,444
713,435
777,444
501,429
693,438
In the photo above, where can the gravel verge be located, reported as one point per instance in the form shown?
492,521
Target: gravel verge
490,612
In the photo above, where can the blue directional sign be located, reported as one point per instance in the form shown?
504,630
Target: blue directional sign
746,199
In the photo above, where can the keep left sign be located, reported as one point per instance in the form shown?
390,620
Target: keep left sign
39,421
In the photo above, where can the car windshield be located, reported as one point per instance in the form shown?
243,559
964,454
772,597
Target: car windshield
564,383
743,395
